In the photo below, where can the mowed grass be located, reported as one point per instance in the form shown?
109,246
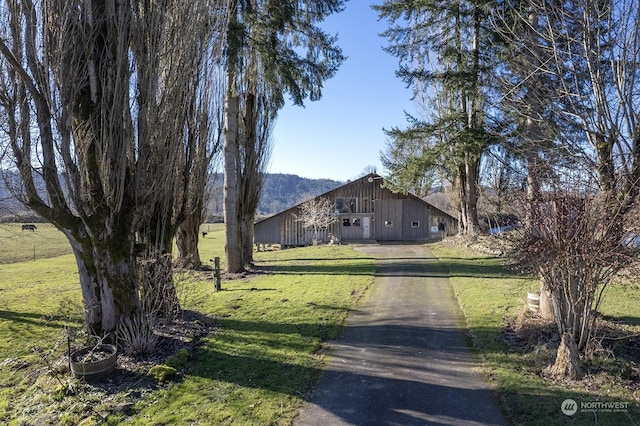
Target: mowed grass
490,296
267,354
257,368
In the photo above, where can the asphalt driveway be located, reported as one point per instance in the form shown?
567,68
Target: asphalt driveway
403,357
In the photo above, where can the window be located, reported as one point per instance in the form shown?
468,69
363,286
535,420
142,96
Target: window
355,222
415,224
388,223
345,204
346,222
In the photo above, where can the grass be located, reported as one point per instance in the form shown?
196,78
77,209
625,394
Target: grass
267,352
17,245
266,356
490,296
257,368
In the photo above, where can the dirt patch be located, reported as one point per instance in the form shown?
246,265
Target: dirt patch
116,394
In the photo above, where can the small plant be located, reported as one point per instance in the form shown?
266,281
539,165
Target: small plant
136,335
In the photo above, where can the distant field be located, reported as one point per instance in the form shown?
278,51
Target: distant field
17,245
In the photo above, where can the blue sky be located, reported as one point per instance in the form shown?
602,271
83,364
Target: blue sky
340,135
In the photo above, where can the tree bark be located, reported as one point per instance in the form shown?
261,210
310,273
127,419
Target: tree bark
232,228
187,239
567,364
108,278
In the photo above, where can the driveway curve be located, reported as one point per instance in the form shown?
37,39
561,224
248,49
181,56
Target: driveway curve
403,357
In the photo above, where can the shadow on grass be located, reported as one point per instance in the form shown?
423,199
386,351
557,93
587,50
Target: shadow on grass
54,321
338,268
627,320
481,267
405,384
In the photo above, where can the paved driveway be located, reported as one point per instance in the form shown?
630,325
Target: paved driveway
403,357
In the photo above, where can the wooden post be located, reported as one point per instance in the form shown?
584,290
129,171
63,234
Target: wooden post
216,263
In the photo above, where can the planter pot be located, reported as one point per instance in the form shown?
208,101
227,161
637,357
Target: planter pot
94,363
533,302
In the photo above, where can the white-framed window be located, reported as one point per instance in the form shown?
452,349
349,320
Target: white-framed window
415,224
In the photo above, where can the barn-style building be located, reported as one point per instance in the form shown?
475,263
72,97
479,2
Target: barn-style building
365,212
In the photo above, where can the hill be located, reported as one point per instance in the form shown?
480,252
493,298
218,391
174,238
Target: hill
280,191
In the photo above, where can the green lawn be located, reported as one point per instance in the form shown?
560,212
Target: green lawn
266,353
256,368
490,295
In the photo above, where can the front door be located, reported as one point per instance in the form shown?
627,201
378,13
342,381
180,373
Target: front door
366,227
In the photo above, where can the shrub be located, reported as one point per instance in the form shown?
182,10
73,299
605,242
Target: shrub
136,336
179,359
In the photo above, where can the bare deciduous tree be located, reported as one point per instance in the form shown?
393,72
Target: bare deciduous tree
577,251
292,55
317,214
94,94
258,115
588,51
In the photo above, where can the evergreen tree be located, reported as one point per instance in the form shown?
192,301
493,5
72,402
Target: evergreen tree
445,55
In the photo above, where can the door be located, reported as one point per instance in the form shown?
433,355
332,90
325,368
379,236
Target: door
366,227
388,220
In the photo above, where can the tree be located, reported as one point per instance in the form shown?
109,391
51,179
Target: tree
292,55
588,50
258,115
317,214
203,141
444,54
92,93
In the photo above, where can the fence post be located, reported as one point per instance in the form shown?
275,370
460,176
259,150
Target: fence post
216,264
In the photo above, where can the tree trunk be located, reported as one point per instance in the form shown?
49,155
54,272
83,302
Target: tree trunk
187,239
232,229
247,232
473,223
567,363
546,304
107,273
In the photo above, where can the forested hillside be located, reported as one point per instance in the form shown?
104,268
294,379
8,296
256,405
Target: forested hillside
280,192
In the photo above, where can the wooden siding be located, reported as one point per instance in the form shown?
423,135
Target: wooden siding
401,220
373,206
269,231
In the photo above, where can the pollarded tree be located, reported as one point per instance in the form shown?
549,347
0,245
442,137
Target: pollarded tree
203,142
445,55
92,93
293,56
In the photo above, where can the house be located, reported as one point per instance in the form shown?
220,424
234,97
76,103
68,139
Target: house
365,212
